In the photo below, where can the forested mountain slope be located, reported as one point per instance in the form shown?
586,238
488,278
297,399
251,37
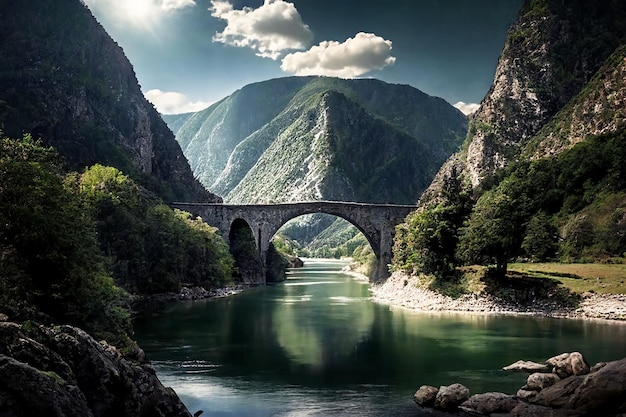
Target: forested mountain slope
541,173
310,138
63,79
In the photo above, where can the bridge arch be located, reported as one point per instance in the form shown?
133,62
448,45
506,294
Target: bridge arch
374,244
376,221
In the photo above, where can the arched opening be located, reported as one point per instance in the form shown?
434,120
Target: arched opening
248,261
323,235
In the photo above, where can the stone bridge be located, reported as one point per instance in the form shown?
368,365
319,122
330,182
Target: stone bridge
376,221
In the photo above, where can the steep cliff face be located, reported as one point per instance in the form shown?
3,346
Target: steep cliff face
311,138
63,79
552,51
600,109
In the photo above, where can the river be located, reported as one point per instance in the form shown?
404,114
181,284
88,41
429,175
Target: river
316,345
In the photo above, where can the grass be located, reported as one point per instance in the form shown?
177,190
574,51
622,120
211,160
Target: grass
579,278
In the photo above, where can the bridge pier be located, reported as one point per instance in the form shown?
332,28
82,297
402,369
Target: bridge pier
376,221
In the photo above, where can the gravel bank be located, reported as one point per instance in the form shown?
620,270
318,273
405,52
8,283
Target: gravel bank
403,291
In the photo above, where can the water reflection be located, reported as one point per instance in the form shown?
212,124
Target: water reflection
316,345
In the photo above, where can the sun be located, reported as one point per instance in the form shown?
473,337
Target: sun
140,12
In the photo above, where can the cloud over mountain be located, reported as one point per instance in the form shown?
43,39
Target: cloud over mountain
274,27
467,108
352,58
170,102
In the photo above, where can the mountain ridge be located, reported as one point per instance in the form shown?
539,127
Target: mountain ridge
264,159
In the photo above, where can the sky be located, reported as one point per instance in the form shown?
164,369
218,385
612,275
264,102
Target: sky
188,54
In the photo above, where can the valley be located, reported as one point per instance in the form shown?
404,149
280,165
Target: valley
510,242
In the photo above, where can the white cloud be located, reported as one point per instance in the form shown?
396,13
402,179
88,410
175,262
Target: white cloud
272,28
467,108
352,58
169,102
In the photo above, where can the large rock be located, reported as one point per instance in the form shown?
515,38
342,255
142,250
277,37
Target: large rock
489,403
451,396
541,380
599,393
425,396
62,371
567,364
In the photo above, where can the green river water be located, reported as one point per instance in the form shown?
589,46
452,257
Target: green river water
316,345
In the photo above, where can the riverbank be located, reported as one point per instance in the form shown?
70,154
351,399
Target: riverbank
406,291
151,305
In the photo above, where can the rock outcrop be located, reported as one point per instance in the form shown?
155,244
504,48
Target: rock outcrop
62,371
551,53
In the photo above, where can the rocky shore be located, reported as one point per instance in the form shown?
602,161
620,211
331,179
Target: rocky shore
563,386
405,291
62,371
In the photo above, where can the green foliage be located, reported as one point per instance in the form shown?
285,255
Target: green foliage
152,248
579,192
541,239
488,238
276,263
427,241
428,246
51,267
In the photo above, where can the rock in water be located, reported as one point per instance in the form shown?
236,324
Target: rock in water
425,396
567,364
527,366
539,381
489,403
451,396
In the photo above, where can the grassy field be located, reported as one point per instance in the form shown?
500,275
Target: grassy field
579,278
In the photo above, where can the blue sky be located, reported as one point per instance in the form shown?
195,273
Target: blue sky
188,54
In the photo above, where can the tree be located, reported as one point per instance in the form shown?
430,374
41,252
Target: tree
540,241
425,244
489,235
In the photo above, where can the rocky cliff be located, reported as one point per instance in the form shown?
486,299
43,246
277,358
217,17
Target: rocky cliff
63,79
551,53
62,371
311,138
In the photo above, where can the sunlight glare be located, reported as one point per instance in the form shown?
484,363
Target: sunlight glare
141,12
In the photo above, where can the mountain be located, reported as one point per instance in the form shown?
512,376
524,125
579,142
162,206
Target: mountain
312,138
176,121
541,175
551,54
64,80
